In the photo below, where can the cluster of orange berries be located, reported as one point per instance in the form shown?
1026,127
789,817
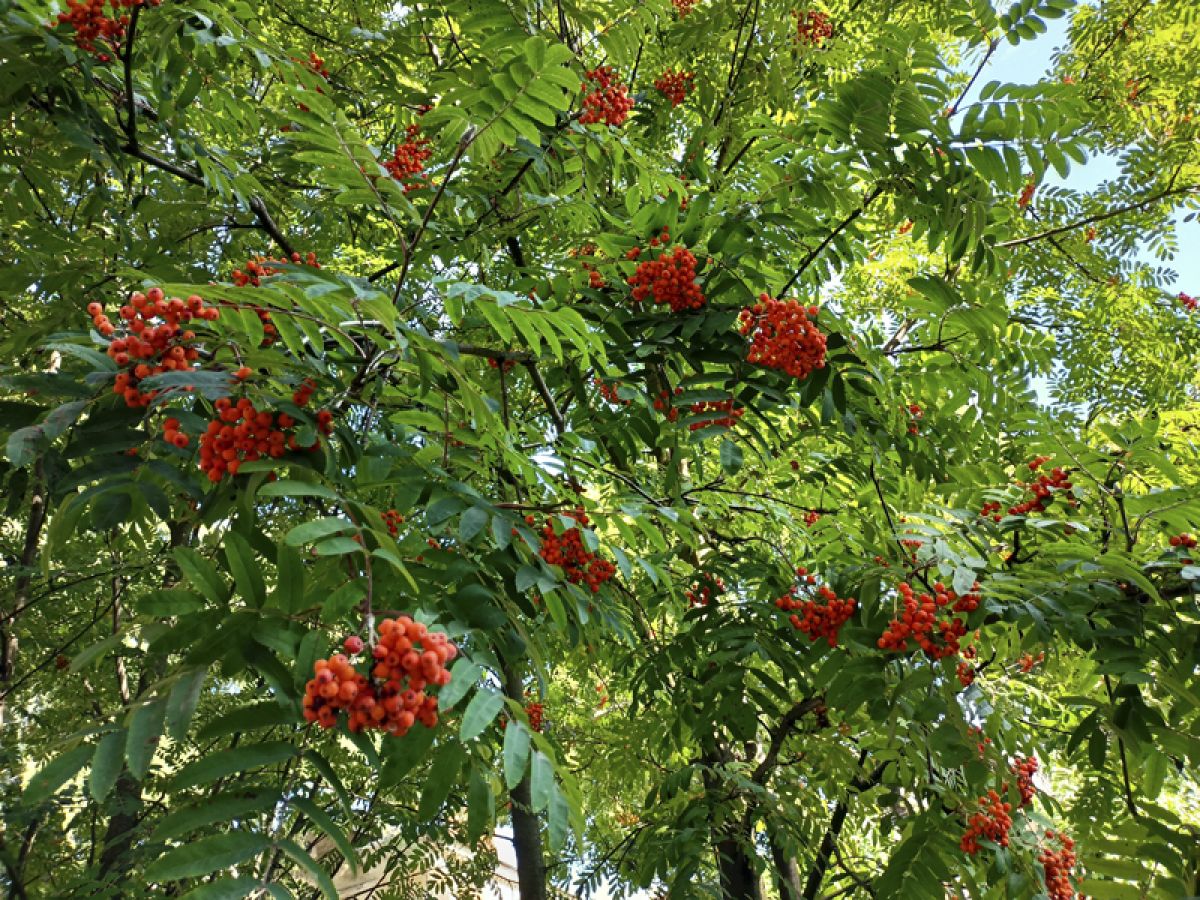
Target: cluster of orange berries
259,267
609,392
607,99
1028,661
991,822
1025,767
407,164
991,509
784,336
982,740
1189,303
172,435
723,412
706,588
91,24
393,520
1042,489
812,27
506,366
316,65
662,403
915,414
1026,194
965,671
670,280
1059,866
938,638
535,712
1090,234
580,565
675,85
241,433
811,518
817,619
683,7
153,341
408,659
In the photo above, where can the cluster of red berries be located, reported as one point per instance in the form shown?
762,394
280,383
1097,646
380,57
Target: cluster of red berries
407,164
153,339
1090,234
783,336
1028,661
982,740
172,435
408,658
811,518
723,413
812,27
938,638
534,711
818,618
965,671
1189,303
1025,767
670,280
1043,489
507,365
663,404
915,414
1184,540
1026,194
316,65
683,7
905,227
241,433
991,509
91,24
1059,866
580,565
675,85
259,267
393,520
991,822
304,392
607,100
609,392
705,589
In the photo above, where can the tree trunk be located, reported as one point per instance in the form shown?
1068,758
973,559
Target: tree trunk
787,873
738,881
527,832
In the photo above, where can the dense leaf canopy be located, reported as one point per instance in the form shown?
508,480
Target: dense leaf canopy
795,467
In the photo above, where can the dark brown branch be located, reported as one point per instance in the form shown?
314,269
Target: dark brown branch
1099,217
812,255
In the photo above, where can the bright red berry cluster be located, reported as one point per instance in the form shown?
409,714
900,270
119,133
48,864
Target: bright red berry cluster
1059,865
259,267
937,637
816,610
1026,194
1042,490
580,565
1184,540
535,712
663,403
683,7
1189,303
607,99
393,520
316,65
783,336
172,434
717,412
1025,767
675,85
811,518
241,433
991,822
91,24
991,509
812,27
609,392
965,671
670,280
407,164
153,339
705,589
507,365
1028,661
915,414
408,659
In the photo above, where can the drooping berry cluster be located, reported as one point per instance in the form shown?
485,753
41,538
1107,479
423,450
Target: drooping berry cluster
408,659
407,164
991,822
607,99
670,279
664,403
393,520
783,336
153,339
506,366
1029,660
812,27
1184,540
915,415
241,433
705,589
580,565
1059,863
965,671
937,637
1027,193
717,412
811,518
535,712
990,509
1042,490
816,610
675,86
1189,303
91,23
172,435
1025,767
259,267
608,392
